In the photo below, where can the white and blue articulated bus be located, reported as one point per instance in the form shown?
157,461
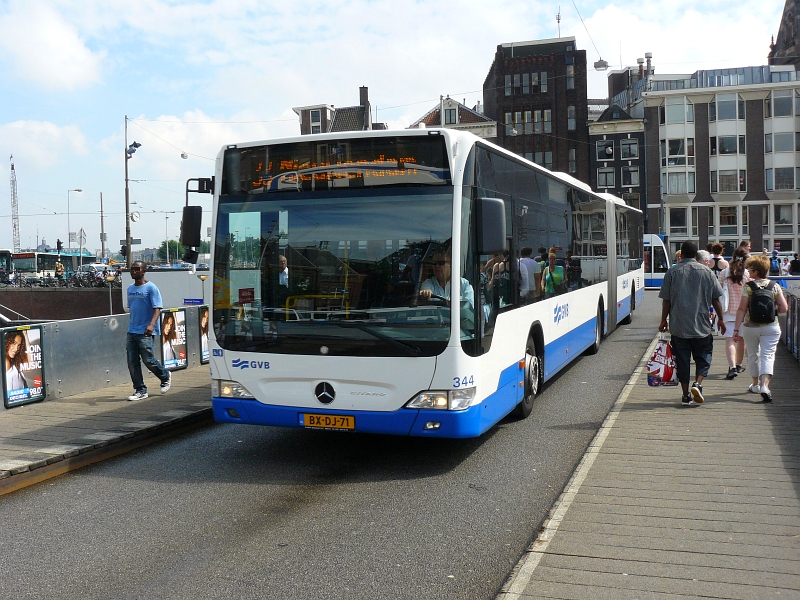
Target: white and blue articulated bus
656,260
333,259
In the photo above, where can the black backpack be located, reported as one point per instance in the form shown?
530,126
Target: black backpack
716,268
762,303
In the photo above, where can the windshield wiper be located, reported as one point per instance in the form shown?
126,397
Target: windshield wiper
412,350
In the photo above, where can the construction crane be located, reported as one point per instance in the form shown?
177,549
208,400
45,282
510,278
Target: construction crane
14,206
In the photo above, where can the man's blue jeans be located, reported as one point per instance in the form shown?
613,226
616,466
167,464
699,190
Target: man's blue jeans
141,346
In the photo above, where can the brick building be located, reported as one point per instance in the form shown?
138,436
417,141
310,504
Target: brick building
536,92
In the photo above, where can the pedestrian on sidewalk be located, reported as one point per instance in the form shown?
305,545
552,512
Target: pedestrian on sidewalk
733,279
689,288
762,300
144,303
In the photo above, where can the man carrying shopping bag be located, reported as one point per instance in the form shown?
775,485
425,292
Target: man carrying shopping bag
688,290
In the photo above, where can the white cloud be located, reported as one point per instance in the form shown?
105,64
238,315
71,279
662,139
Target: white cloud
45,49
40,144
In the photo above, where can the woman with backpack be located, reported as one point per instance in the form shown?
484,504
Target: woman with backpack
733,279
761,302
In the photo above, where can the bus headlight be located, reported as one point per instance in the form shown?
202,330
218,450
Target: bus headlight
222,388
443,399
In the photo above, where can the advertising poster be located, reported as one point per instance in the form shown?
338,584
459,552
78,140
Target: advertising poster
173,339
24,372
203,317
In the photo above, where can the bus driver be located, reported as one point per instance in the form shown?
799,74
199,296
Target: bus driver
439,283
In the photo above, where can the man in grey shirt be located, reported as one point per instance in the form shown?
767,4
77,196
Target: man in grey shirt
688,290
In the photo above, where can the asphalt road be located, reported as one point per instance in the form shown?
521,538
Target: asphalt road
246,512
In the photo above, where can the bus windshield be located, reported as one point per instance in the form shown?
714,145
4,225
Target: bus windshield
335,273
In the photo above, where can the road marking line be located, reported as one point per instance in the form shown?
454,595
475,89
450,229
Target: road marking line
538,549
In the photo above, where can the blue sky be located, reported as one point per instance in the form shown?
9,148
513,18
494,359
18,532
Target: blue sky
193,76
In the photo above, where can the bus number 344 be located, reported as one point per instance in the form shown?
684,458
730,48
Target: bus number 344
463,381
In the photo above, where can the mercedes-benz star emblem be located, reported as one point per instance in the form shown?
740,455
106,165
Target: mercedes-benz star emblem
324,392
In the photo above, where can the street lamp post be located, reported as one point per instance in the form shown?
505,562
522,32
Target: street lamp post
69,229
166,235
129,150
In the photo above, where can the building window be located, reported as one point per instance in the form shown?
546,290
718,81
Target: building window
508,123
783,142
728,144
508,85
539,158
769,185
316,129
679,152
767,107
677,110
605,150
537,121
742,144
745,229
629,148
713,182
571,120
526,83
547,118
729,181
676,183
605,178
782,103
677,221
529,156
516,85
690,176
316,116
727,220
784,178
783,218
765,225
630,176
548,161
711,220
767,143
543,81
573,160
742,180
534,82
528,125
726,107
570,77
449,116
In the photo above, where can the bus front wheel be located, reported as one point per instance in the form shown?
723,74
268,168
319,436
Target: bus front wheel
533,379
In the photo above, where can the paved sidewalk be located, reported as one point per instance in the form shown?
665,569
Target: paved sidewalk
679,502
45,439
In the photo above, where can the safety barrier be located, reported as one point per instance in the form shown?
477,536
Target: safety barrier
64,358
792,328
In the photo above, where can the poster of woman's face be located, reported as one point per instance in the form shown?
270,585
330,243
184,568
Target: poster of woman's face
204,355
173,339
24,372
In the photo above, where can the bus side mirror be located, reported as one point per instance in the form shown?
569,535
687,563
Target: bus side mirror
190,226
491,225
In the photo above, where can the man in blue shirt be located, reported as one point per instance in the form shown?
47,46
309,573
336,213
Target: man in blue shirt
144,303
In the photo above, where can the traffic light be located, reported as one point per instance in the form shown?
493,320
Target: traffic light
59,245
124,250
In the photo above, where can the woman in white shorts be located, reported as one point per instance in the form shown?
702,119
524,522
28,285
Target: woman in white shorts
732,279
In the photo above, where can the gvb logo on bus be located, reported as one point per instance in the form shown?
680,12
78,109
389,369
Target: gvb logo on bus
239,363
560,311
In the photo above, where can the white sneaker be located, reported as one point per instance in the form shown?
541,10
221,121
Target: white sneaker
166,384
754,388
138,396
766,395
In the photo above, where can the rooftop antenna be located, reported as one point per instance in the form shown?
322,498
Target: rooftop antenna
600,65
14,206
558,21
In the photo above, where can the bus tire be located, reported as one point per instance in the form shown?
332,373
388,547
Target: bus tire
598,334
627,320
533,379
